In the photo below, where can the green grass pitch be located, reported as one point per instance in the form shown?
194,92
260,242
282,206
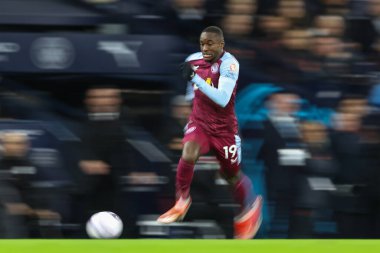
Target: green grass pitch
188,246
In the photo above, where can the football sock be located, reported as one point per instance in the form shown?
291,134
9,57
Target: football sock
185,171
243,191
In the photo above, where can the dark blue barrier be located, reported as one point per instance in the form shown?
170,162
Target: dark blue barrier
86,53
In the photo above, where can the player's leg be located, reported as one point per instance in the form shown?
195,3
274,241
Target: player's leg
185,168
195,144
248,220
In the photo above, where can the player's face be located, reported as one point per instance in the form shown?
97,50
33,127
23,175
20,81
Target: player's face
211,46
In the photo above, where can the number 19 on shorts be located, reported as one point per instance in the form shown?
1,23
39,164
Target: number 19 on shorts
230,152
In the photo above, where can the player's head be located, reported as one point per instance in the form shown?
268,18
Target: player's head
211,43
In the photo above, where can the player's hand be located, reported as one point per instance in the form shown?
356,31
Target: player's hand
18,209
187,71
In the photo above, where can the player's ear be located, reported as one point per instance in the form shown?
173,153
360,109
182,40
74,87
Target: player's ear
222,43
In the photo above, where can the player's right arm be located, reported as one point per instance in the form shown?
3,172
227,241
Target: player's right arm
229,72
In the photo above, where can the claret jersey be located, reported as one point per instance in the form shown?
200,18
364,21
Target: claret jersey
213,118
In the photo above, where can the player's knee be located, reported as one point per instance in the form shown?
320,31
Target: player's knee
191,152
190,157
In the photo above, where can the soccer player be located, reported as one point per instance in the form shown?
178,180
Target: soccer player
213,74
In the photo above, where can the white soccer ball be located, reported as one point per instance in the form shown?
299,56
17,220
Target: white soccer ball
104,225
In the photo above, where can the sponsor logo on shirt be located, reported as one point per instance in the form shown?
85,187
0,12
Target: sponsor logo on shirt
215,68
209,82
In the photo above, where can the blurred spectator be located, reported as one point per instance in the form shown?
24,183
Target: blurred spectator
105,157
294,10
241,6
238,25
313,182
272,27
296,51
336,7
346,138
352,202
238,20
21,214
189,9
332,25
281,137
332,54
374,11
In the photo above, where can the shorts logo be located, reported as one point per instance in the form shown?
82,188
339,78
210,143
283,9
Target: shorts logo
215,68
190,130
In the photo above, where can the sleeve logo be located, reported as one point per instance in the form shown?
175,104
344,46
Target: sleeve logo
233,67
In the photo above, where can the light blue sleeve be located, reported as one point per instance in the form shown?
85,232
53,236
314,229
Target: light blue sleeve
229,73
230,69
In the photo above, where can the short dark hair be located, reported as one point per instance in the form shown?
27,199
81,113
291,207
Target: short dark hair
214,29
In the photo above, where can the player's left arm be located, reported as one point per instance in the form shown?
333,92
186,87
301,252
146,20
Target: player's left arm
229,73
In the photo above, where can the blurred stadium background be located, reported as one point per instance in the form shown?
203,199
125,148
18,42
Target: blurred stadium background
92,110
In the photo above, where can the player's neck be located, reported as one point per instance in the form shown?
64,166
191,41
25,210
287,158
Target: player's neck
217,58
